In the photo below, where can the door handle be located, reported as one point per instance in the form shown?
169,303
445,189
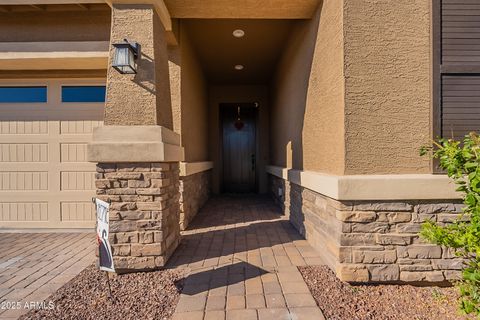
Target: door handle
253,162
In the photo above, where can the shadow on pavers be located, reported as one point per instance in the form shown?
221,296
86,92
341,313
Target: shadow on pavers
218,277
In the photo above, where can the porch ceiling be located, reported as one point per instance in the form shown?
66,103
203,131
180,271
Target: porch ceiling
234,9
219,51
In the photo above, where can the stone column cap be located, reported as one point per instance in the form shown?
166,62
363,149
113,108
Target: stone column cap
134,144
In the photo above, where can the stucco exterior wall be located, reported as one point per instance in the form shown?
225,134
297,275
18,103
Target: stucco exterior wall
194,97
235,94
55,26
142,98
307,109
387,86
189,94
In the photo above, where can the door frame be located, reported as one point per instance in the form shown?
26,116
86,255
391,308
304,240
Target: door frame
254,105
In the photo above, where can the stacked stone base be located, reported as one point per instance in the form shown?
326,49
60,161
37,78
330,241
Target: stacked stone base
144,212
371,241
195,190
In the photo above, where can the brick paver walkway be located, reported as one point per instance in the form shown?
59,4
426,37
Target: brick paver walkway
243,256
34,265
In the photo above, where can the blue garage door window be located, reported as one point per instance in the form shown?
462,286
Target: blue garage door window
83,93
23,94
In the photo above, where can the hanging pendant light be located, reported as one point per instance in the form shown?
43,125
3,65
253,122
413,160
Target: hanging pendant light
239,123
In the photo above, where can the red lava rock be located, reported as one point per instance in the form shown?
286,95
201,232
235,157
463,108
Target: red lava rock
142,295
341,301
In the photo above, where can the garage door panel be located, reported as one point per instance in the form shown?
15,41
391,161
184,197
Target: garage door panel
24,211
73,152
45,179
23,152
79,126
24,127
77,180
23,180
77,211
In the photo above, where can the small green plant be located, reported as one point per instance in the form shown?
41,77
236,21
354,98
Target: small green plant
461,161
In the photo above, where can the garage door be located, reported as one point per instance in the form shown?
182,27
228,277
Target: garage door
45,179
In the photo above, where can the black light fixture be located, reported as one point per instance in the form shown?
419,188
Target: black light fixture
125,57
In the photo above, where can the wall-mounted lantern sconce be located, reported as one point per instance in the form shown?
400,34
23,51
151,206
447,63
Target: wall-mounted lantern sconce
125,57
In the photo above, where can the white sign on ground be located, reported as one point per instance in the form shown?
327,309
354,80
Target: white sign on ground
104,248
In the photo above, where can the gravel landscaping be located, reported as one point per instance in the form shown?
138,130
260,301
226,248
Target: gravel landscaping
340,300
143,295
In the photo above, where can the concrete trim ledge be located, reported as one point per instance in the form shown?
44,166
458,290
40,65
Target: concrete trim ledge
371,187
134,144
189,168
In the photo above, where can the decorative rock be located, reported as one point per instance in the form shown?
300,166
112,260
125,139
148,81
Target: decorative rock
416,267
424,252
408,227
430,276
448,217
448,264
146,237
124,175
121,249
106,167
142,250
122,226
123,206
354,239
103,183
138,183
438,207
121,191
352,273
394,217
135,215
387,272
423,217
130,167
356,216
377,227
126,237
452,275
151,206
383,206
134,263
390,238
375,257
150,191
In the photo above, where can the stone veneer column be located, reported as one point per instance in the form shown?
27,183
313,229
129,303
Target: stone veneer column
136,152
144,212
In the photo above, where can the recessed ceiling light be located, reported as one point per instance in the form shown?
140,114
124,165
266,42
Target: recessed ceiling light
238,67
238,33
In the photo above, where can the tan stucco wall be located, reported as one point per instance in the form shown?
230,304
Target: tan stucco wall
55,26
143,98
307,108
233,94
194,97
387,92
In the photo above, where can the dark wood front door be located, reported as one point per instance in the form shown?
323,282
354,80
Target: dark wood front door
239,144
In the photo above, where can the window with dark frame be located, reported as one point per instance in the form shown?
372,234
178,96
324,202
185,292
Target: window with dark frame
27,94
456,68
83,93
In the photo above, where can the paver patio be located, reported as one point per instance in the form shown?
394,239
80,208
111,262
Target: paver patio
34,265
242,255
